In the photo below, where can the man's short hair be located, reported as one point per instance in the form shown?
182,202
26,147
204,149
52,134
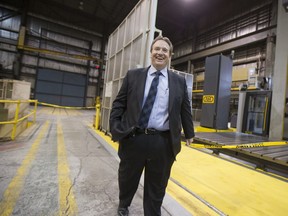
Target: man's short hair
160,37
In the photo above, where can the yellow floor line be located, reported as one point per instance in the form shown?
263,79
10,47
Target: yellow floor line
13,190
58,111
67,202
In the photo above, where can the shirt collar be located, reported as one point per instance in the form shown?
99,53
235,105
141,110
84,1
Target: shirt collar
152,69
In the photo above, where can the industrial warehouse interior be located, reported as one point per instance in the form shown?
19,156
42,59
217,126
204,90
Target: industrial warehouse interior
62,64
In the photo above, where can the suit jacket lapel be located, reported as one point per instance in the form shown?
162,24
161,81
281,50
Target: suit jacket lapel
171,93
141,86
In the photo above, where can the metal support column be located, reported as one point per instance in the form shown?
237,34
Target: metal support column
17,64
280,74
270,56
99,83
101,68
87,72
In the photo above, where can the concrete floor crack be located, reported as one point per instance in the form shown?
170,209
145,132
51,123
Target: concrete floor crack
71,187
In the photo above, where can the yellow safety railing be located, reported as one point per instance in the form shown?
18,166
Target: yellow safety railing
16,116
97,114
232,89
64,107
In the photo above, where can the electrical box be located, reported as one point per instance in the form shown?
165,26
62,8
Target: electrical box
254,112
217,91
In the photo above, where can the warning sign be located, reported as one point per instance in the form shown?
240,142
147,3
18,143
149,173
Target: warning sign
208,99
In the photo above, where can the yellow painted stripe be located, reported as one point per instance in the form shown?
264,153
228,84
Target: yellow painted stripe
64,107
107,139
239,146
58,111
232,89
67,202
13,190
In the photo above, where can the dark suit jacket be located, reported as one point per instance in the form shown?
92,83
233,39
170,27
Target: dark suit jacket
126,107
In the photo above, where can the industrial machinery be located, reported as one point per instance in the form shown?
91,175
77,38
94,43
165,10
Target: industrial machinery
254,112
252,120
216,95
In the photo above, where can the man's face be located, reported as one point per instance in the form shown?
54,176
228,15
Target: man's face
160,54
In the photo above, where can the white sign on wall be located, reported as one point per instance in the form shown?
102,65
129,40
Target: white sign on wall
108,90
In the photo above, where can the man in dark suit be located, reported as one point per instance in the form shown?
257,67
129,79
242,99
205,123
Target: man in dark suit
148,127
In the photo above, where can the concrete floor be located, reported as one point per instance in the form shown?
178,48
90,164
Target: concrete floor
59,167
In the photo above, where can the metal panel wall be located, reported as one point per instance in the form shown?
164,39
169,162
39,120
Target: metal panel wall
251,21
60,88
128,47
51,36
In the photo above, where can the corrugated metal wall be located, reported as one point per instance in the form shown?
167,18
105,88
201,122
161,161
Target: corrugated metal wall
128,47
53,38
246,23
61,88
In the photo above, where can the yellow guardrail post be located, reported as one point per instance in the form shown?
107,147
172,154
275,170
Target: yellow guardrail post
15,120
97,115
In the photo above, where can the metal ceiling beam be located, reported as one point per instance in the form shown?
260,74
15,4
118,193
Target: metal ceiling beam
7,16
82,29
8,41
252,38
61,7
57,53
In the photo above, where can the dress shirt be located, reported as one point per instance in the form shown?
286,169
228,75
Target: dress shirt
159,115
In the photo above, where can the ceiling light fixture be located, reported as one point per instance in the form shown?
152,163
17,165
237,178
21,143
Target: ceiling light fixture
285,5
81,5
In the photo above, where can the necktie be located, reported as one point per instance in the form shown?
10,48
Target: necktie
147,108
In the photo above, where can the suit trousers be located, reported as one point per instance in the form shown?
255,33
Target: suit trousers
153,153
